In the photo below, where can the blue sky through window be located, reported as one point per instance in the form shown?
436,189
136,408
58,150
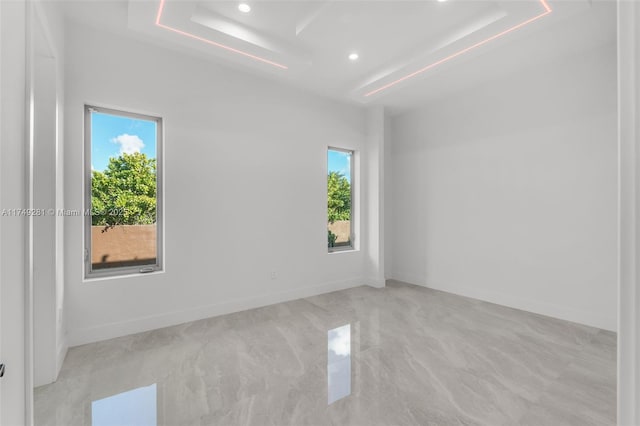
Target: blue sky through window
112,135
340,161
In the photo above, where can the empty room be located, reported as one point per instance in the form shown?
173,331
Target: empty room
319,212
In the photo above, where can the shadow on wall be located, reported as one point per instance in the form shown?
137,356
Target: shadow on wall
123,245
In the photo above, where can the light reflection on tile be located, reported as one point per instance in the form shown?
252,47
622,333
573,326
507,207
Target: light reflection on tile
414,356
339,363
135,407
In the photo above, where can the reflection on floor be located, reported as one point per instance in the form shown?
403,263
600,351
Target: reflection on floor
134,407
402,355
338,363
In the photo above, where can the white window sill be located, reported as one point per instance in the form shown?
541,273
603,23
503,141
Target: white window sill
121,276
344,250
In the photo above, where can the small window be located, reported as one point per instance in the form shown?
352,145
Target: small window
340,199
123,196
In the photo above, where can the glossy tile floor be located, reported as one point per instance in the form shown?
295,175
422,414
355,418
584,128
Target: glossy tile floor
402,355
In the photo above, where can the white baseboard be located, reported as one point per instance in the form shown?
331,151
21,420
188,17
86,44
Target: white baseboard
62,353
592,319
51,375
118,329
408,278
376,282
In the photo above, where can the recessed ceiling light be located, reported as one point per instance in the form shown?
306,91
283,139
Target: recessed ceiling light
244,8
353,56
164,26
441,1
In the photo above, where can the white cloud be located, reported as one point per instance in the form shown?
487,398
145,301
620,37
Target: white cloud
129,144
347,170
346,157
340,340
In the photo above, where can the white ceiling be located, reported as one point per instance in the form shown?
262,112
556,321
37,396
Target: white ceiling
306,43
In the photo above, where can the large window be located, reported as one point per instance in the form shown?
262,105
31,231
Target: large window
123,197
340,199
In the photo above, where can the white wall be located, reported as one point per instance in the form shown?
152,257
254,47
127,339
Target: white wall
13,190
507,192
48,192
245,187
373,204
44,191
629,133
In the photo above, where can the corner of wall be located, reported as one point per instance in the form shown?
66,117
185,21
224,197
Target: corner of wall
376,282
63,348
629,215
373,205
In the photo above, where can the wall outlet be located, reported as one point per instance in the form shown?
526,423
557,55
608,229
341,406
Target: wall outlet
274,275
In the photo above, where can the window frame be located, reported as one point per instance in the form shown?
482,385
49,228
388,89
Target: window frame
89,272
352,227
